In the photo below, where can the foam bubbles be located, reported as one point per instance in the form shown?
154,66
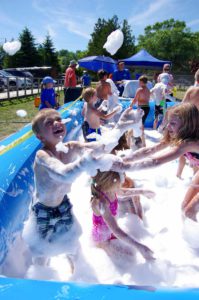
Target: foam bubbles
12,47
114,41
67,120
61,147
21,113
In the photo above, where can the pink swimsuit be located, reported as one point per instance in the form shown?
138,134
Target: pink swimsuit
193,158
100,231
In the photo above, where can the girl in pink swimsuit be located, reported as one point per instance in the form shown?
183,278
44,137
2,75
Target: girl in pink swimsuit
104,204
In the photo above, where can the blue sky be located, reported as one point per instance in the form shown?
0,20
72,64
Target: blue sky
70,22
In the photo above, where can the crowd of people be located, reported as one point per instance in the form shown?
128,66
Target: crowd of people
55,170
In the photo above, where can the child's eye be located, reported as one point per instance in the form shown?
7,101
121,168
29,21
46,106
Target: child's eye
49,123
58,119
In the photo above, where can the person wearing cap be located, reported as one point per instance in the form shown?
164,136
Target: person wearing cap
120,75
48,95
71,92
86,79
167,78
70,77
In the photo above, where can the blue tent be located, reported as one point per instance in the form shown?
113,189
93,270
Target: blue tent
145,60
95,63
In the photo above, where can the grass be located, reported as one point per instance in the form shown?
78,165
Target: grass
10,122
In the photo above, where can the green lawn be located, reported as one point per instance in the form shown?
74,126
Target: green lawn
10,122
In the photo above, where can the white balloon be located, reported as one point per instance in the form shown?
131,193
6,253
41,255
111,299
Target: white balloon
114,41
21,113
12,47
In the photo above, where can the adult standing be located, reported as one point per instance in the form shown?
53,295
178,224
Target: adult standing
70,82
120,75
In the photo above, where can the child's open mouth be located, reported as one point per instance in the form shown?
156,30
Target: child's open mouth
58,131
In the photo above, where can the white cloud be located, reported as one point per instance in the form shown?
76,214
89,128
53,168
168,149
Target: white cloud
64,15
75,28
150,13
51,31
193,22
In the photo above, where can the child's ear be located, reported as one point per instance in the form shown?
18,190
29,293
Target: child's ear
40,137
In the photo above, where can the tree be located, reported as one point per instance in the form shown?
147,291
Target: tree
64,57
28,55
49,57
170,40
100,33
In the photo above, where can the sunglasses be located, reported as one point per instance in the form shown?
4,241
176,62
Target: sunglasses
167,69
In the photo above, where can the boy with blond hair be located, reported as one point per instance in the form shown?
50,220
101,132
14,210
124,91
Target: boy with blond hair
92,115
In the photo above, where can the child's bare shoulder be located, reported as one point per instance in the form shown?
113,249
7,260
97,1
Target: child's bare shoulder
42,153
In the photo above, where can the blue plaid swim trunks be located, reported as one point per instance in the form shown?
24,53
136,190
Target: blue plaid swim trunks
53,220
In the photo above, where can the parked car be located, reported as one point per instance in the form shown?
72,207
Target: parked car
14,82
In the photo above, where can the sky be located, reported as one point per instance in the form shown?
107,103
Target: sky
71,22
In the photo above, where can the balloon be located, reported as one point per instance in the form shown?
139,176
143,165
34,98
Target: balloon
12,47
21,113
114,41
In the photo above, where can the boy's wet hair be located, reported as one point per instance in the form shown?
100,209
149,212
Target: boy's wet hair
40,117
88,93
101,73
143,78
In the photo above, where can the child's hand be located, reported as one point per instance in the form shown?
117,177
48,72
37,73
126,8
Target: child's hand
128,118
146,252
118,108
106,161
149,194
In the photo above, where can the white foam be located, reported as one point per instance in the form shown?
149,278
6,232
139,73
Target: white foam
174,242
21,113
61,147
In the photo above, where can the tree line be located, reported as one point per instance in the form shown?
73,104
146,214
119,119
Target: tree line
168,40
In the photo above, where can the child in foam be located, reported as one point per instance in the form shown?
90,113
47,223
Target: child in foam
141,99
92,116
54,172
133,205
181,137
48,95
158,93
106,190
167,78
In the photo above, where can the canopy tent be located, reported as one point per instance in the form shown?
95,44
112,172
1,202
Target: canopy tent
143,59
95,63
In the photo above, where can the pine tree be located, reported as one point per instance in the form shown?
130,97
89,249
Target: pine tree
28,55
48,53
100,33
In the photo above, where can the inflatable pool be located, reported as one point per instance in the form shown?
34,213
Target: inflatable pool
17,154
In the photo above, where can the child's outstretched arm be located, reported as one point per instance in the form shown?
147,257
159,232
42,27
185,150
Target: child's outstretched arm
121,235
101,115
144,152
130,192
149,163
61,172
